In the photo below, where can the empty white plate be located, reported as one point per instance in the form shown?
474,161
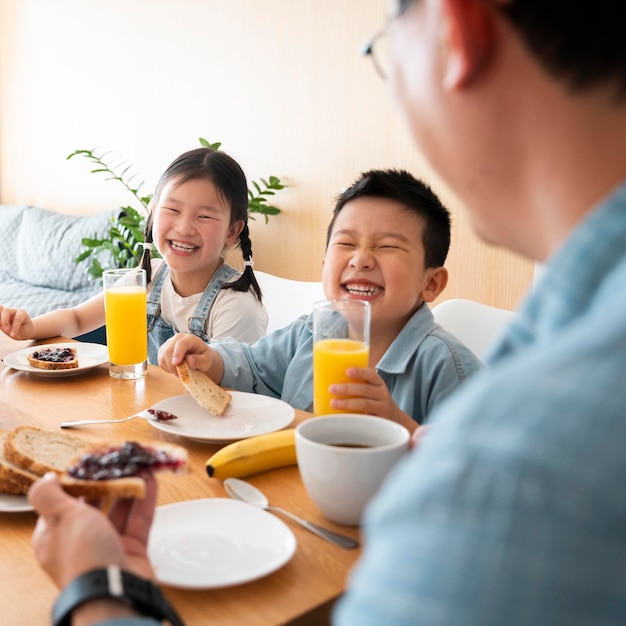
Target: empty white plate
216,542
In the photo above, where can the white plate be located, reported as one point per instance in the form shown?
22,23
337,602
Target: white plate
89,355
248,414
216,542
14,504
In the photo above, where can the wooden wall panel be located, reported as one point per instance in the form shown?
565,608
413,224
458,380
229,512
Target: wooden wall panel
280,83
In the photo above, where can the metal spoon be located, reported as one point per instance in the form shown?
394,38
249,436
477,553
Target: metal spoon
241,490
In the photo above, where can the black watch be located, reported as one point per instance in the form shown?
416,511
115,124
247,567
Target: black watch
112,582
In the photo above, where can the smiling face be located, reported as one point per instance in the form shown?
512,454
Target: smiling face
191,228
375,253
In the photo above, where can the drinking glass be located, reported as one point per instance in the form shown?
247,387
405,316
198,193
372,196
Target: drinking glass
126,322
341,339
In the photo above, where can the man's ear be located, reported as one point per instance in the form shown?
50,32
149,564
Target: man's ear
435,284
467,40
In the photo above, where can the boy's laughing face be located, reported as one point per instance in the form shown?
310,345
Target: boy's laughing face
375,253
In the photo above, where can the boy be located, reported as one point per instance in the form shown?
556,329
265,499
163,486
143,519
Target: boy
387,242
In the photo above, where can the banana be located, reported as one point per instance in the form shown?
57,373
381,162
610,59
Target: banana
253,455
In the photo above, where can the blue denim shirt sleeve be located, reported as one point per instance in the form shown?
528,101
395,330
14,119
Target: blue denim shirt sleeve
279,365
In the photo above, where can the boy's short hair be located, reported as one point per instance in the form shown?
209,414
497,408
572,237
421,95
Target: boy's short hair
415,196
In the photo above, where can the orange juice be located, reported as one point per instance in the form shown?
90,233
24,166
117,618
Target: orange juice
331,359
126,324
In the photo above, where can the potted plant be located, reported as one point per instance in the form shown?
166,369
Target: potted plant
121,247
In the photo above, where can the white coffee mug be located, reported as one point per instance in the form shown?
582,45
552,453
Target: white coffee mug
344,458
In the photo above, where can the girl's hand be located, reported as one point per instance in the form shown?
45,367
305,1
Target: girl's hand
370,395
16,323
189,348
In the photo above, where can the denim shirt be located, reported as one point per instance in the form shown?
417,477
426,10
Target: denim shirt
512,508
420,368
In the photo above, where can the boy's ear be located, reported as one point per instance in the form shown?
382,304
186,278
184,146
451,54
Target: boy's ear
467,41
435,283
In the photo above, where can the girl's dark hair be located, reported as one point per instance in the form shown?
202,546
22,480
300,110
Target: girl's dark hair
230,181
415,196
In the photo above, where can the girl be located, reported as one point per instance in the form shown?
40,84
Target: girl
200,207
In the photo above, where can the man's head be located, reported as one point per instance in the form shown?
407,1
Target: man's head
504,99
579,46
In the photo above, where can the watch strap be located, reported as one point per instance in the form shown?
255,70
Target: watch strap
112,582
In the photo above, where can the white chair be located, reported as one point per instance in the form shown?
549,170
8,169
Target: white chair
285,300
477,325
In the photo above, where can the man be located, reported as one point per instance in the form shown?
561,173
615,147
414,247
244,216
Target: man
512,509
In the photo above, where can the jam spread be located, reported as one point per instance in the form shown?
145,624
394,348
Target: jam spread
55,355
129,459
162,416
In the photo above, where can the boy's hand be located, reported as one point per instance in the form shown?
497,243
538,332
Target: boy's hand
185,347
16,323
369,395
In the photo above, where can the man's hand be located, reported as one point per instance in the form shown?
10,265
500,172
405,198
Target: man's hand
72,536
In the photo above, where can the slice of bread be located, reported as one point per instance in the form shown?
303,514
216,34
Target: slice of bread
206,393
42,451
129,461
14,479
27,453
54,358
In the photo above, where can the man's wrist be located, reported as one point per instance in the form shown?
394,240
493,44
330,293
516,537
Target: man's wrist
94,611
122,593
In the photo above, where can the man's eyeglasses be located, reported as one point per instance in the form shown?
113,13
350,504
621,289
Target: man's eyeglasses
377,48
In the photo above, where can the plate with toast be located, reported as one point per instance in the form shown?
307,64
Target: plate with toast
247,415
58,359
14,504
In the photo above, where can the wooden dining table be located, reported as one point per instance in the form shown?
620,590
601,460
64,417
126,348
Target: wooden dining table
301,592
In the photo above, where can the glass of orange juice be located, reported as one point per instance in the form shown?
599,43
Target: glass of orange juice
126,322
341,339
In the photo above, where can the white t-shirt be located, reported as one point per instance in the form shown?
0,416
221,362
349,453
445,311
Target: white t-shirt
235,314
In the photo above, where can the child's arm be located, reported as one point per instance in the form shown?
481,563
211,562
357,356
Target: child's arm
83,318
197,354
369,395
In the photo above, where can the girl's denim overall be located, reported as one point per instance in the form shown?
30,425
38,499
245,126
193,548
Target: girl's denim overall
159,330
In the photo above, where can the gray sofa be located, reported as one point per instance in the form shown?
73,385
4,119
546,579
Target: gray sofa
37,270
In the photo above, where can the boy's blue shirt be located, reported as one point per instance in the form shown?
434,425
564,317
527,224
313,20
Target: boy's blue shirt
423,365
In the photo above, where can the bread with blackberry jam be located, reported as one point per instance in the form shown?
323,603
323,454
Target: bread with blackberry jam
54,358
117,471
